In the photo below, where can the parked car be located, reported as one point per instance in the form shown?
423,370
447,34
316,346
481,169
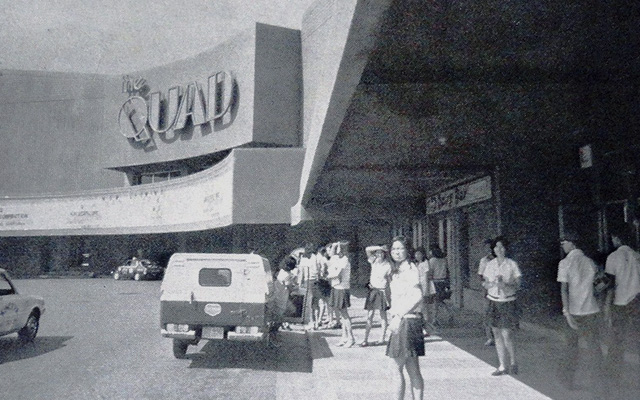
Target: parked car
18,312
138,269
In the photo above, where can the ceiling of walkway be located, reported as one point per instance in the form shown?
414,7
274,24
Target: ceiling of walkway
454,88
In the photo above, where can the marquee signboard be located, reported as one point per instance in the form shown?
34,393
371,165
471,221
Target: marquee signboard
141,115
200,201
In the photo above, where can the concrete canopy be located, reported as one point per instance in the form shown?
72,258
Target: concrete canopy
453,90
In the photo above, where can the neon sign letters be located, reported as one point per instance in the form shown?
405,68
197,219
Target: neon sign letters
141,116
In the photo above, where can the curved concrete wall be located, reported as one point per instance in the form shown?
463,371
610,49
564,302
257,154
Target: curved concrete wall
60,132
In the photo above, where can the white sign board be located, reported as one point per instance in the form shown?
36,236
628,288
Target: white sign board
460,196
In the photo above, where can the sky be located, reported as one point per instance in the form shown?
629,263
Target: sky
120,36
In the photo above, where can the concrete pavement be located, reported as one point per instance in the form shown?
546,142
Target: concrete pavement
456,365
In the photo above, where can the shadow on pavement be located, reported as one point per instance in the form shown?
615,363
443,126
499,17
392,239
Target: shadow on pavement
12,350
289,353
539,359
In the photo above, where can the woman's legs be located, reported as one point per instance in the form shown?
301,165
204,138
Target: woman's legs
367,328
347,333
398,377
500,348
415,378
509,343
383,323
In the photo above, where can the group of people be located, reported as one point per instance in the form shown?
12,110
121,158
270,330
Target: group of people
407,290
588,315
404,287
323,275
587,312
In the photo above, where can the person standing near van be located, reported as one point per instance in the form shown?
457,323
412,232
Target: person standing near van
580,308
340,276
377,295
622,304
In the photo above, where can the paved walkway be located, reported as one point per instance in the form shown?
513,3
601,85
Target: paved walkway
457,365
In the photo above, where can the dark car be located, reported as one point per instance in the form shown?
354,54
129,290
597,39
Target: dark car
138,269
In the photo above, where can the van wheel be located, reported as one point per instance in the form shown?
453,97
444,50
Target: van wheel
180,348
137,276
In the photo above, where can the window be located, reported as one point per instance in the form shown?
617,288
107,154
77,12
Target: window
217,277
5,287
154,177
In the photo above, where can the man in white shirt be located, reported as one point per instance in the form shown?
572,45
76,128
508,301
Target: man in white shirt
622,305
580,308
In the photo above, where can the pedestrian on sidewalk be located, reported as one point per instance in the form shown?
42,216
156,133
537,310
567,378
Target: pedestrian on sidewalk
325,311
481,267
622,305
377,299
427,287
439,274
309,269
502,280
581,310
406,342
340,276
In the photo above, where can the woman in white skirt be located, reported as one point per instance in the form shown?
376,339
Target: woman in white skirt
406,342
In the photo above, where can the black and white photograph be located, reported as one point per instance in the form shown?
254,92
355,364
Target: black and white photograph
319,199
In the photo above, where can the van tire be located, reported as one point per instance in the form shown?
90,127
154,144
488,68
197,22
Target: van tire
180,348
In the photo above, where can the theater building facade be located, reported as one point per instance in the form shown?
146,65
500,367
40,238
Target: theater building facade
447,124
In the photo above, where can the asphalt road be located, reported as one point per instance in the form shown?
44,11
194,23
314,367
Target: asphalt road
100,339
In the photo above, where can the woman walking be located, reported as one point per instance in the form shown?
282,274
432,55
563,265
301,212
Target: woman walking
406,343
502,280
377,296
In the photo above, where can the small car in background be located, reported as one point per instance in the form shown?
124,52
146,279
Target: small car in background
138,269
18,312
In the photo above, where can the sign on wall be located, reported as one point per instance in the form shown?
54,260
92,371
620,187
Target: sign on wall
460,196
144,114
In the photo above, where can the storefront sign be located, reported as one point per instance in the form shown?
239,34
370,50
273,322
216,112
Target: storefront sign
460,196
141,116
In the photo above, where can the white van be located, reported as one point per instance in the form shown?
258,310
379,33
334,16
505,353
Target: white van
218,297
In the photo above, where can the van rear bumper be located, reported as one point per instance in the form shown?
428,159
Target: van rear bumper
191,335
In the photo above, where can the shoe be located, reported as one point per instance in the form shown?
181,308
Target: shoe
490,342
341,344
513,370
349,344
380,342
364,344
500,372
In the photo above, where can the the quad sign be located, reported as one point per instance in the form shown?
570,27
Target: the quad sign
140,116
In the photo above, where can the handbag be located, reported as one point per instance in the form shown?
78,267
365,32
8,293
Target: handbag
602,282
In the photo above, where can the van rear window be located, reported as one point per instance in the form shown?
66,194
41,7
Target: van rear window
218,277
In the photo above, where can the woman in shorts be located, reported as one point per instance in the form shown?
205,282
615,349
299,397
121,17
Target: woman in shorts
502,280
406,342
377,297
